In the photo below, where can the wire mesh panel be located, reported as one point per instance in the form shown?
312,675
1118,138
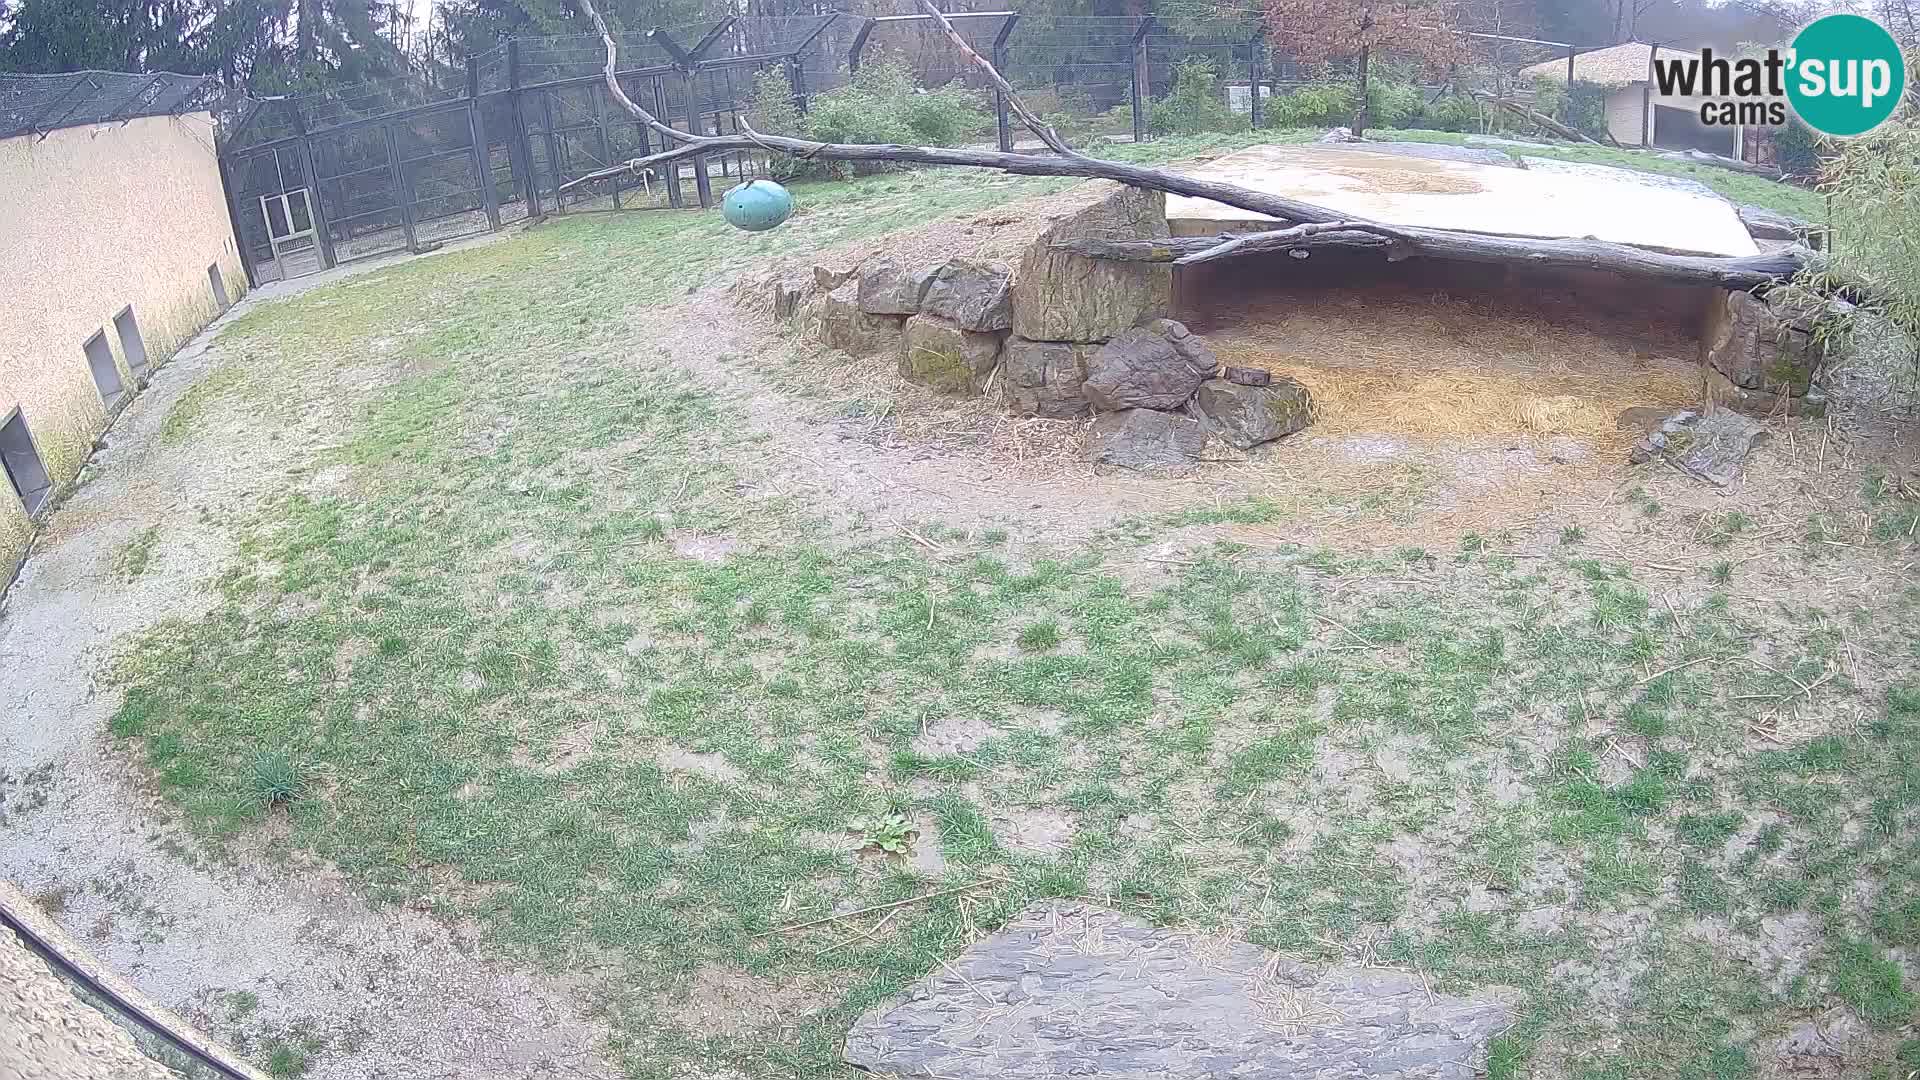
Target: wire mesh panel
258,181
437,174
335,106
37,104
359,191
1077,66
927,50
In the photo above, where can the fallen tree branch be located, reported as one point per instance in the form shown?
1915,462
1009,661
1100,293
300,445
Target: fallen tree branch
1260,202
1403,242
1540,120
1232,244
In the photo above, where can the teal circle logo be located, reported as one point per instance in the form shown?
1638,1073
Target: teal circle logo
1847,75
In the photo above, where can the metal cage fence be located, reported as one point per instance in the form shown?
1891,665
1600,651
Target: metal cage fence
402,163
40,104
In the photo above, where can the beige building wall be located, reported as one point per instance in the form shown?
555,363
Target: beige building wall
94,219
1624,114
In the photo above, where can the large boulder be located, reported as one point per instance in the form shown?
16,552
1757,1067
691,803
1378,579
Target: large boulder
1073,989
887,288
1766,348
1060,296
1712,447
845,327
790,293
1765,224
938,354
830,276
1157,365
1045,378
1147,439
1247,416
974,295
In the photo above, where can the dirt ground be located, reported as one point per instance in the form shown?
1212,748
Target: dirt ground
275,952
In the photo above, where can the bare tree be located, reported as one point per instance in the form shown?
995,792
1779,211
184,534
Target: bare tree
1320,30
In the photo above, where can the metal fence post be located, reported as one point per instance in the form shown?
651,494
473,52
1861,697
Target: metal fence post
518,144
701,184
398,174
553,151
1256,67
859,45
482,151
317,205
1000,125
797,79
673,167
1139,78
1566,100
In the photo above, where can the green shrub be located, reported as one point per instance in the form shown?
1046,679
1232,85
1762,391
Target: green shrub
1393,104
1194,104
1587,109
771,109
883,104
1451,112
1796,149
1324,105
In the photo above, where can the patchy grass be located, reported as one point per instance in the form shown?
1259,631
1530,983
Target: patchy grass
136,554
193,406
483,681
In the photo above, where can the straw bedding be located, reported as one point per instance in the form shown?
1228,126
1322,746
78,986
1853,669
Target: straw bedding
1389,359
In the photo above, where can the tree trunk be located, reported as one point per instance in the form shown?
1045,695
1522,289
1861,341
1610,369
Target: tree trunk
1360,116
1399,242
305,35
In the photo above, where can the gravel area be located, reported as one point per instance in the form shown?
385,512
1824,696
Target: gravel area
47,1032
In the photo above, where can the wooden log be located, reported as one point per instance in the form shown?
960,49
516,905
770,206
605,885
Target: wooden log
1403,242
1719,161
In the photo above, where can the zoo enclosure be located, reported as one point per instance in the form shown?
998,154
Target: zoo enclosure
408,163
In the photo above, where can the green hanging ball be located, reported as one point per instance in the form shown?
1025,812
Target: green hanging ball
757,205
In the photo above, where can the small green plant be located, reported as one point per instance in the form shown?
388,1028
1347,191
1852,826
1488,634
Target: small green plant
1044,634
277,779
1718,530
287,1061
1722,572
1572,535
133,559
1393,104
890,834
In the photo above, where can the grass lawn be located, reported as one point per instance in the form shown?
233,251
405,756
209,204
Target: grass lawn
535,638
